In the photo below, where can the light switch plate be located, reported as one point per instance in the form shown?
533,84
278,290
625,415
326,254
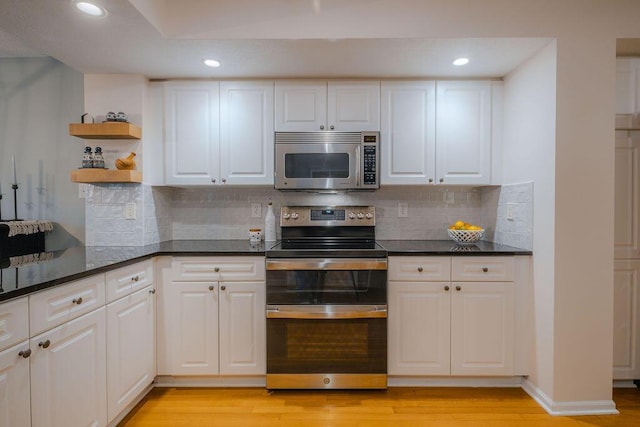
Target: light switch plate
130,211
256,210
511,207
403,210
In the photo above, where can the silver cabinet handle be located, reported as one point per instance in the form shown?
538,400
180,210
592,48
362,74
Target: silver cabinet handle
446,288
485,269
216,269
321,127
152,291
213,180
223,288
211,287
441,180
135,278
224,180
25,353
458,288
331,127
44,344
420,269
430,180
77,300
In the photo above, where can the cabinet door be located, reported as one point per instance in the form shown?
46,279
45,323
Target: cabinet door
15,408
407,132
189,326
191,133
627,195
246,133
353,106
130,348
301,106
627,85
68,374
482,334
14,322
242,328
463,132
419,328
626,320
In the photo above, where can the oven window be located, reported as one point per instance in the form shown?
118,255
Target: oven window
317,287
316,165
326,345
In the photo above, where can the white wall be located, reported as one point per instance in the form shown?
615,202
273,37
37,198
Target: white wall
39,97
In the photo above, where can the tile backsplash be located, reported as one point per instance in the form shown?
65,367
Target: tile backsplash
165,213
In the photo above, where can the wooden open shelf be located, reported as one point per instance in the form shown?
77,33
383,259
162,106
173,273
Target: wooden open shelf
105,175
106,130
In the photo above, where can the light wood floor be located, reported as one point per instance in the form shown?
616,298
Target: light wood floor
397,407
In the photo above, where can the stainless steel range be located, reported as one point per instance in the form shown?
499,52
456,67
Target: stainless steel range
327,300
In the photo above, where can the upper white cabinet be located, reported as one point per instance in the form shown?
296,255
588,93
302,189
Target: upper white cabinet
626,319
436,132
192,136
246,133
463,132
628,85
408,132
313,105
219,133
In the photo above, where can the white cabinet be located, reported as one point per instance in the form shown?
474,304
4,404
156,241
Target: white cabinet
408,132
130,348
192,136
436,132
626,319
212,317
68,374
15,403
627,195
14,322
246,133
314,105
628,86
463,132
219,133
442,327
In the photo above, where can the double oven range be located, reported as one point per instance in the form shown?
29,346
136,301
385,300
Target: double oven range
327,301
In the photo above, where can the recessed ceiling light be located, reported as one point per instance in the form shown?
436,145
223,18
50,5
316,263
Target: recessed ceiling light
90,8
461,61
211,63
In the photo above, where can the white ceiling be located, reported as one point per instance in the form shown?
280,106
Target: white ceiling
171,39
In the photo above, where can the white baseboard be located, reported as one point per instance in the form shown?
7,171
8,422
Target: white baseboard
401,381
624,384
589,407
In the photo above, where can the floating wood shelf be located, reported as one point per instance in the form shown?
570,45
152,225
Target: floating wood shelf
105,175
106,130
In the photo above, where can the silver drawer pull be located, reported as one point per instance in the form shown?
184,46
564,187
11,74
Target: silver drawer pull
485,269
217,269
420,269
152,291
44,344
77,300
25,353
135,278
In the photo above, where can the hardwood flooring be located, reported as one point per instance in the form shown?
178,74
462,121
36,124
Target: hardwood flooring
397,407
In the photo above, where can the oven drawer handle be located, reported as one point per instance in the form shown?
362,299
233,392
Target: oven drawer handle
369,313
327,264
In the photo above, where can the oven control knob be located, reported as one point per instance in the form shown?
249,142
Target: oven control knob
286,216
360,215
369,215
352,215
295,216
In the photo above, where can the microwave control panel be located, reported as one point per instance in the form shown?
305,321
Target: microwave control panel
370,160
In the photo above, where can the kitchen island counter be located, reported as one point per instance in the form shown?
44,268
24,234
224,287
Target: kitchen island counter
448,248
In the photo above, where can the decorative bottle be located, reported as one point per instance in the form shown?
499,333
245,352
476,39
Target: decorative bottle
270,225
98,160
87,158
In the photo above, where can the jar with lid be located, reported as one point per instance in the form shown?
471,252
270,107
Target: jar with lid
98,159
87,158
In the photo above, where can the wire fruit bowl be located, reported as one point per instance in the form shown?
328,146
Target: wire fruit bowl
465,237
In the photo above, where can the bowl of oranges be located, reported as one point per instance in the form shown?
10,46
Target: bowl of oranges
464,233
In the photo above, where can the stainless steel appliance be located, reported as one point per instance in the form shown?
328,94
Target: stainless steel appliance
327,160
327,301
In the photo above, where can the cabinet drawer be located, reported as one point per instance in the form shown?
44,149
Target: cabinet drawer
126,280
411,268
226,269
481,269
14,322
52,308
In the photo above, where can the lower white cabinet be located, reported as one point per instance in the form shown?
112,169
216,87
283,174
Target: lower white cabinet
626,319
15,408
68,374
130,348
442,327
213,328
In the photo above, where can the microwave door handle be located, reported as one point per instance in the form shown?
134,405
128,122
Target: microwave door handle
358,166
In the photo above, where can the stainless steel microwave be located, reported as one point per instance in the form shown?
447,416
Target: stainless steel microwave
327,160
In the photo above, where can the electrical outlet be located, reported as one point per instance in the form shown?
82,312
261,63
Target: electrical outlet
130,211
256,210
403,210
82,191
511,207
449,197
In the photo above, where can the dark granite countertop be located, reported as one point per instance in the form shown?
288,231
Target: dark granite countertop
24,275
448,247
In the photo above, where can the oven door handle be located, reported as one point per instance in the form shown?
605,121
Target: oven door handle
326,312
327,264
